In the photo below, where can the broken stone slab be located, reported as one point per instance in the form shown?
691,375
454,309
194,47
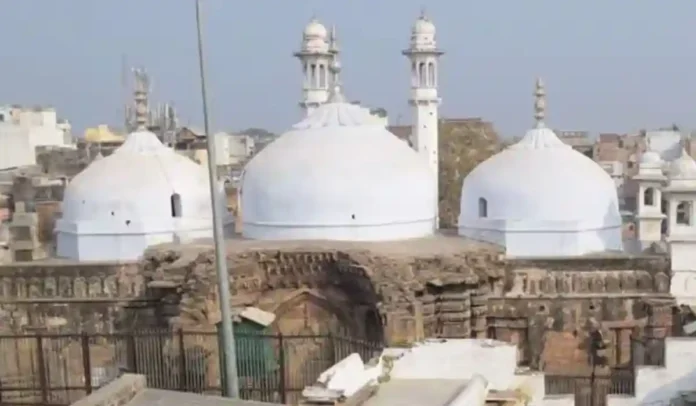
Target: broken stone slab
319,395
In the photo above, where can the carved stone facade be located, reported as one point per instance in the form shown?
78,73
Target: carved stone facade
95,297
442,287
398,292
562,300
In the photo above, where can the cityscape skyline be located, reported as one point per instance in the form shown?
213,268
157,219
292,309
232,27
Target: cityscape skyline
607,68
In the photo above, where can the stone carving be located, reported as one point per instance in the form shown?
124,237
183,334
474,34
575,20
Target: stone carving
564,283
628,282
111,286
644,281
94,287
661,282
6,286
597,284
21,288
65,286
614,284
80,287
50,288
35,288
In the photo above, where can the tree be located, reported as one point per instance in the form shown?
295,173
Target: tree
463,145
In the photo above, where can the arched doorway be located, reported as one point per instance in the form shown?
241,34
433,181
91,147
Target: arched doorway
374,328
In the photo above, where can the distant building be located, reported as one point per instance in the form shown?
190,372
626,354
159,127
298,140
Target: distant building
615,169
579,140
102,133
622,148
22,130
230,149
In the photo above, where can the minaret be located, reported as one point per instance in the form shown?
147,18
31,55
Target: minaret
424,55
680,197
315,57
649,216
142,87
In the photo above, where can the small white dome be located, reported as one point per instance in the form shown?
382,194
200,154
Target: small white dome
144,193
650,158
423,26
315,30
683,168
540,197
338,175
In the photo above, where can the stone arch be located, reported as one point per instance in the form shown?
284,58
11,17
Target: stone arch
482,207
649,196
306,311
175,205
684,212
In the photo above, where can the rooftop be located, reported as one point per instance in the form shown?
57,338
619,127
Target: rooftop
435,372
415,392
132,390
444,243
159,397
447,243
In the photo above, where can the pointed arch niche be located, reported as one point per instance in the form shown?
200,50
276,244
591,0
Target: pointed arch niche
306,312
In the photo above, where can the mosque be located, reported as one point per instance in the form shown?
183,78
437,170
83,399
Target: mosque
538,197
537,200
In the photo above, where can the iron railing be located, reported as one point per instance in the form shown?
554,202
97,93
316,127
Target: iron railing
648,351
616,381
617,378
57,369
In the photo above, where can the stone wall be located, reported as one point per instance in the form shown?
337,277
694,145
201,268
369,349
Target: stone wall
548,307
93,297
401,295
564,300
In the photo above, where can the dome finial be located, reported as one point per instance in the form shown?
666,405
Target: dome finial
539,103
336,95
142,88
423,14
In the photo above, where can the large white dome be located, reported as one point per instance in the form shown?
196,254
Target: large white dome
338,175
144,193
540,197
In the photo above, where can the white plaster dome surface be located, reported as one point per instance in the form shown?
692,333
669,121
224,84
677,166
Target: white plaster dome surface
540,197
315,29
423,26
338,175
650,158
683,168
142,194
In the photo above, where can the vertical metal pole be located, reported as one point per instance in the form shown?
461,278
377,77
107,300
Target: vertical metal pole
86,362
230,384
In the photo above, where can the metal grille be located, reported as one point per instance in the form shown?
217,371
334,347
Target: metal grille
58,369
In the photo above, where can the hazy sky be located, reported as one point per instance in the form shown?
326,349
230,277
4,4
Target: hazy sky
608,65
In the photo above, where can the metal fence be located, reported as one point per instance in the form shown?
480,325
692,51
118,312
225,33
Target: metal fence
57,369
648,351
592,389
617,378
